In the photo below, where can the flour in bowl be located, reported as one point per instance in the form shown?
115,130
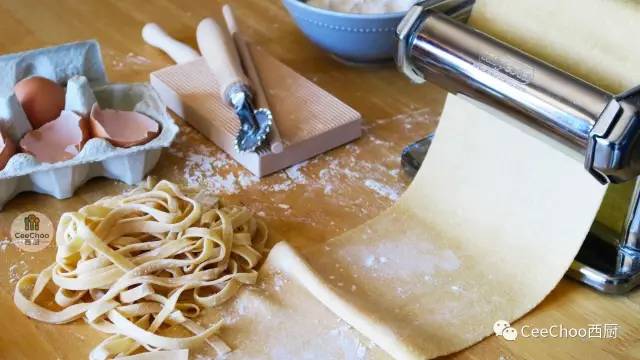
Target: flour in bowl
364,6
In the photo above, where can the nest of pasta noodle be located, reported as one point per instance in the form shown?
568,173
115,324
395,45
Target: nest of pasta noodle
141,263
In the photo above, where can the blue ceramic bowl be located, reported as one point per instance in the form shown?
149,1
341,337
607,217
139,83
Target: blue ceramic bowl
357,38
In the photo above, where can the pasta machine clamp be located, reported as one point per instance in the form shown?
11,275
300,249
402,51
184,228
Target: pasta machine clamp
600,128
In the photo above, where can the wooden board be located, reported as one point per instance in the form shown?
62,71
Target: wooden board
306,212
310,120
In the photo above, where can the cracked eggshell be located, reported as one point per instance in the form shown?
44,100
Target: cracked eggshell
58,140
122,128
8,149
41,99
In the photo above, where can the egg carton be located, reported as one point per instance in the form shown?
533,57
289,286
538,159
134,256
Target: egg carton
79,65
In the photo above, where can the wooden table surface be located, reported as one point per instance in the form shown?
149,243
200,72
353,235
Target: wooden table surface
313,202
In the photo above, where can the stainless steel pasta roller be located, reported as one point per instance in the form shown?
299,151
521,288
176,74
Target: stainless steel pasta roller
600,128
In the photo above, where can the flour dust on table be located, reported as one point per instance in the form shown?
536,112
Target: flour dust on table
343,178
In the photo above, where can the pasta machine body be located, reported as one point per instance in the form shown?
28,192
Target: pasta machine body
600,128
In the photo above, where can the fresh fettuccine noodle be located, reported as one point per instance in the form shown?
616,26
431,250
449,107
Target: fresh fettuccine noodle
135,264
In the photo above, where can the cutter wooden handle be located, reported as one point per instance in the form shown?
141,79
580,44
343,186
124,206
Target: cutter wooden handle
155,36
221,55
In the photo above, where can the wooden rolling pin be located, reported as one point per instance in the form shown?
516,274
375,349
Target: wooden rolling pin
155,36
221,54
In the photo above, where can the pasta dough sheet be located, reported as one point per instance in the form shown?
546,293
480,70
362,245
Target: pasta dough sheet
484,233
563,34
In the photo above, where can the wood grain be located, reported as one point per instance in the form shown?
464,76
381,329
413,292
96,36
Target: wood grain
314,213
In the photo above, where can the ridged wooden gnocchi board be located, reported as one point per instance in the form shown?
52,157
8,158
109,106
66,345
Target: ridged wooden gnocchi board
311,121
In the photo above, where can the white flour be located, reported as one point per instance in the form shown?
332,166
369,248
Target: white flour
382,189
295,175
203,166
340,178
125,62
364,6
17,271
405,257
4,243
400,261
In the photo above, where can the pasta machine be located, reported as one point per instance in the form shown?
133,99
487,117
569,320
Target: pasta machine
603,129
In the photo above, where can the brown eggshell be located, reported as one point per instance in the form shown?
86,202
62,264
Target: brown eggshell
42,99
8,149
122,128
58,140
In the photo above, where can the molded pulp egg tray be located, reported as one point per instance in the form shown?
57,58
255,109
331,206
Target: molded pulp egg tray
79,65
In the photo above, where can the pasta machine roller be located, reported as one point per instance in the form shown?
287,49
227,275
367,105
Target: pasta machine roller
435,45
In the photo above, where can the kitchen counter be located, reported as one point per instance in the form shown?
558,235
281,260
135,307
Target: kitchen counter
309,203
